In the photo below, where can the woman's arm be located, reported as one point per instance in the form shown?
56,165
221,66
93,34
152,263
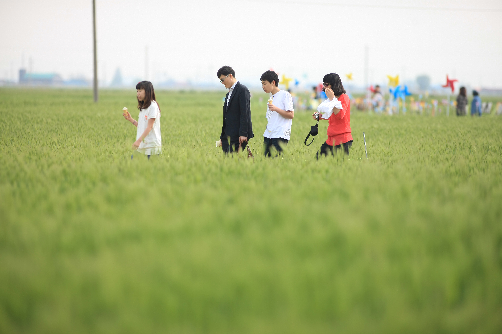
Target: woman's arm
331,96
331,106
325,111
128,117
149,127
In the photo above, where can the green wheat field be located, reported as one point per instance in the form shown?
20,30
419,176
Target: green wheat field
406,241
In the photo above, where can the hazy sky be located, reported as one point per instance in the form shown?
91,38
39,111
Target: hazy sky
304,39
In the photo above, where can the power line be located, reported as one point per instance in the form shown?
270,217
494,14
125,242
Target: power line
424,8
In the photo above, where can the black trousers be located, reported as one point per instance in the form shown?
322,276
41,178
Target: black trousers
325,148
233,146
275,142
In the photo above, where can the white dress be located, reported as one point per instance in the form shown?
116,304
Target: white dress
152,144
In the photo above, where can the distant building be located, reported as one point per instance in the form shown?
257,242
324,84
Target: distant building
78,82
39,79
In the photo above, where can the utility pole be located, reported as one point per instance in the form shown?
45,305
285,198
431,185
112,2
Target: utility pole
95,83
366,83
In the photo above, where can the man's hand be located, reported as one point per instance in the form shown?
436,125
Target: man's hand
329,93
271,107
243,139
315,116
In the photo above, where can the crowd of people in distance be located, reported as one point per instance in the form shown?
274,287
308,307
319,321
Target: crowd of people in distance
378,103
237,128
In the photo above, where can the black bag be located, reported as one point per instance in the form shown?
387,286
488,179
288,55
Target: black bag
314,130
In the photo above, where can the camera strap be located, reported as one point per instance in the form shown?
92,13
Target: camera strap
314,130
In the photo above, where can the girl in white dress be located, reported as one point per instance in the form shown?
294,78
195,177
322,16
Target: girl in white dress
148,138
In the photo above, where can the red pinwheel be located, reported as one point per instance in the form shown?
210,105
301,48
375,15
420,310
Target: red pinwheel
372,89
449,83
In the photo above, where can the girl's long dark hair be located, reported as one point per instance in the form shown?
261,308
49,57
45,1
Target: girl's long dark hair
463,91
336,83
149,94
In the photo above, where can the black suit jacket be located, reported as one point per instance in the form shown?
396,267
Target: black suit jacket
237,116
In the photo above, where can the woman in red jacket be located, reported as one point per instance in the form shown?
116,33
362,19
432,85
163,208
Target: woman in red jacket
337,110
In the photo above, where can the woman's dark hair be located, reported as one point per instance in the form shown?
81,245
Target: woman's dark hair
336,83
149,94
463,92
475,93
270,76
225,70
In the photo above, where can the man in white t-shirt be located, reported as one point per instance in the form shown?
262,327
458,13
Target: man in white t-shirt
279,115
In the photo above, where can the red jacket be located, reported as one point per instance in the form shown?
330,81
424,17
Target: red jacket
340,123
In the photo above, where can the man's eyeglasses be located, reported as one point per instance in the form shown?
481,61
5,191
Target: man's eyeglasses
221,80
325,84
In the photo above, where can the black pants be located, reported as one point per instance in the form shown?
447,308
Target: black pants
325,148
234,145
276,142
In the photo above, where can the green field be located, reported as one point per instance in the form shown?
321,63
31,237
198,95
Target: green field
406,241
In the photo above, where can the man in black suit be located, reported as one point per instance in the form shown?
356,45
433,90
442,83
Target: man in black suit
236,112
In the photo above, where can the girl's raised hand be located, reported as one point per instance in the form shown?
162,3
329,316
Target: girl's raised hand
127,116
329,93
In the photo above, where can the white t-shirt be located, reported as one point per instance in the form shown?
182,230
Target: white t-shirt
279,126
152,144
